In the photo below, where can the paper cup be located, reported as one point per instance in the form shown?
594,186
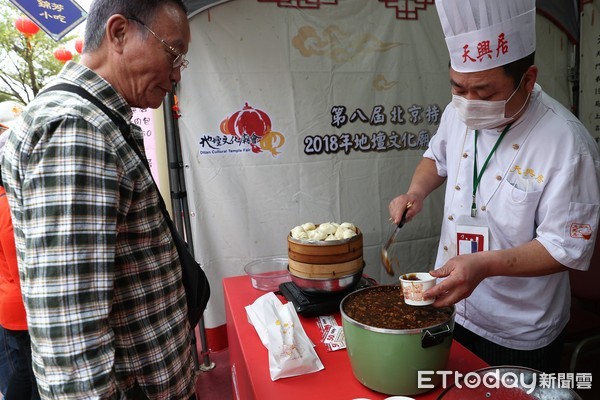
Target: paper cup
413,287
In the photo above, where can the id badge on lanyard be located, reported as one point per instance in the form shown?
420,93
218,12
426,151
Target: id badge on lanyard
472,232
472,235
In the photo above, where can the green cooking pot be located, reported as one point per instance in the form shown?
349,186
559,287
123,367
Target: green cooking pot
389,360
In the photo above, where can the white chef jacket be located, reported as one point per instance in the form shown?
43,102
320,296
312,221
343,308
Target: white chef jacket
541,183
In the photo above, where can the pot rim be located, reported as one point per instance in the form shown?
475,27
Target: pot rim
354,322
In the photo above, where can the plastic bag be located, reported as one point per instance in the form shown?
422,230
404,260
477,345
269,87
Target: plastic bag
291,353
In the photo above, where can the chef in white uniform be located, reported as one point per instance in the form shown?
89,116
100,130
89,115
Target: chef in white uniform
522,198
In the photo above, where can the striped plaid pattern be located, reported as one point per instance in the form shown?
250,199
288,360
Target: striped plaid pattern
100,274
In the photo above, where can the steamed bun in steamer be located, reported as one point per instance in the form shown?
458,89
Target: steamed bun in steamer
348,225
296,231
316,235
325,231
308,226
301,236
327,228
348,233
331,256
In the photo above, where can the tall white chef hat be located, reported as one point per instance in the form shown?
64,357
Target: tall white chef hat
484,34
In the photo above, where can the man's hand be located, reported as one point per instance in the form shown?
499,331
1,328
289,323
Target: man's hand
462,275
424,181
400,203
464,272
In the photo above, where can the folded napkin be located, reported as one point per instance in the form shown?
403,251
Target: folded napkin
291,353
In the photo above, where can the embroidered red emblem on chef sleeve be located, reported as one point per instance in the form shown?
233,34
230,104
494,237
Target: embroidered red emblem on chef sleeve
581,231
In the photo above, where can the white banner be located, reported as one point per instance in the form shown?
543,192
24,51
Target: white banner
311,114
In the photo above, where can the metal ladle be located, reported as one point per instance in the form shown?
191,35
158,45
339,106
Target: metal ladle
385,259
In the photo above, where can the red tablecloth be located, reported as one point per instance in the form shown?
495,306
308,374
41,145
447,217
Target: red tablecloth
250,365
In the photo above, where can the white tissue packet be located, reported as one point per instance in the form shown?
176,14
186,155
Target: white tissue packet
291,353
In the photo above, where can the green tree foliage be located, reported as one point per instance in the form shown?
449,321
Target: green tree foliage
26,64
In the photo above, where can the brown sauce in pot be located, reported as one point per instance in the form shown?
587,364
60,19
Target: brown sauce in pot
383,307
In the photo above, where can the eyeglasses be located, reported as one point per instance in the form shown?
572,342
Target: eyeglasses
179,61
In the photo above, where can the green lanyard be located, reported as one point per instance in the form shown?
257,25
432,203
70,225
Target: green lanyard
477,177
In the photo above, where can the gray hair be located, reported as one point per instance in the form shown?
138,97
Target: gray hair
102,10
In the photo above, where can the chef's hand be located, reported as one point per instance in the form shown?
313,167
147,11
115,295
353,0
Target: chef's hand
462,275
399,204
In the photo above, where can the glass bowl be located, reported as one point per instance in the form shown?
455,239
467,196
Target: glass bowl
268,273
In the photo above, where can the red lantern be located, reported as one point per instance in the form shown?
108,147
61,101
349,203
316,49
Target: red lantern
26,26
63,55
250,121
79,45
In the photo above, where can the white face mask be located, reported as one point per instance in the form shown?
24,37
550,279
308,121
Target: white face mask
484,114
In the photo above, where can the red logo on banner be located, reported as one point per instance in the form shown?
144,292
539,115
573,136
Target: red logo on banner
253,126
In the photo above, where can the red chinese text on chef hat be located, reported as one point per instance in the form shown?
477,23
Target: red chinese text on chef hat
485,34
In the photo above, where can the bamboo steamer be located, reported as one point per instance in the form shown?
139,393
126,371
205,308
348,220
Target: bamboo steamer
325,259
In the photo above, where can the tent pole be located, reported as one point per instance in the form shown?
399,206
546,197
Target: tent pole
180,208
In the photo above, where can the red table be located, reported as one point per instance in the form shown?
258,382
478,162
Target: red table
250,365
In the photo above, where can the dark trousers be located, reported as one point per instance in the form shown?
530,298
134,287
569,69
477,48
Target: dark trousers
545,359
21,382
